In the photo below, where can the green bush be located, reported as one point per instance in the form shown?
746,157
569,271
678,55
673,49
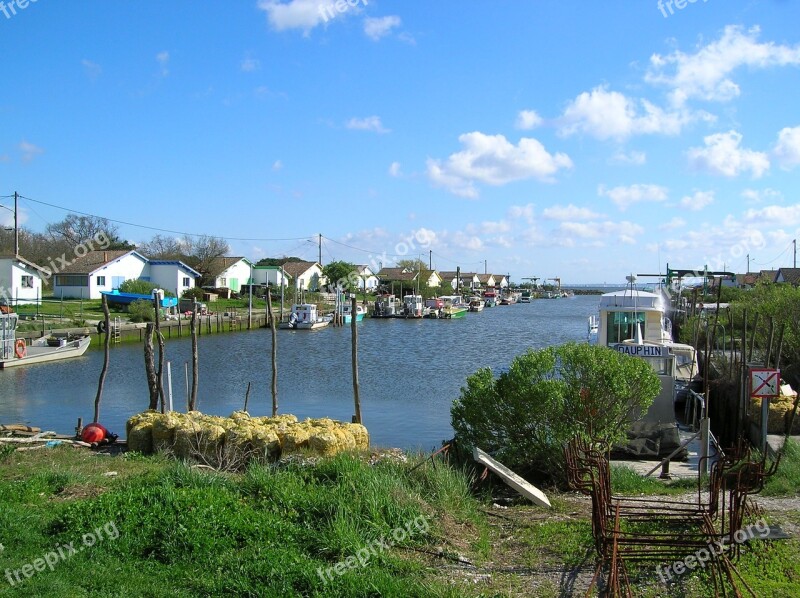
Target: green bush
195,293
142,311
527,414
141,287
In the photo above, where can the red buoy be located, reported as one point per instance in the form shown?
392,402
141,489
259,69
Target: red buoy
93,433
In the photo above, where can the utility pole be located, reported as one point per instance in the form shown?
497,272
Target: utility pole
320,250
430,259
485,267
16,224
795,252
748,263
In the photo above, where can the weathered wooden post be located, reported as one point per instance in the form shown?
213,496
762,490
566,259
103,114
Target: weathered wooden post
104,371
274,333
354,330
193,328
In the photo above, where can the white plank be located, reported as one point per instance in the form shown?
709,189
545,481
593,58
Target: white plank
526,489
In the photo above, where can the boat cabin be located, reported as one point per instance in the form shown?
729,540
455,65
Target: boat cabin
303,312
632,314
386,306
412,306
8,334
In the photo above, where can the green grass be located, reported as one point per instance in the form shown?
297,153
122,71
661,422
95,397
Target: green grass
181,532
625,480
786,481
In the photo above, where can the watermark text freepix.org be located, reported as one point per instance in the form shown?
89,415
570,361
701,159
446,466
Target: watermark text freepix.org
9,9
713,550
330,11
363,555
61,553
99,241
671,5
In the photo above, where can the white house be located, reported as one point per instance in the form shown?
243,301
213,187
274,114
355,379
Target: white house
469,280
228,273
98,271
271,275
366,278
172,275
305,275
20,281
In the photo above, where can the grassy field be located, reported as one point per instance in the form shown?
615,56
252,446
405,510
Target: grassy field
147,526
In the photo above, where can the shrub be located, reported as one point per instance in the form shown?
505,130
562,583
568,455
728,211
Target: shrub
142,311
141,287
195,293
527,414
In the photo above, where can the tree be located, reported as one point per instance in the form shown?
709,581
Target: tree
74,230
202,251
416,265
162,247
278,261
341,273
526,415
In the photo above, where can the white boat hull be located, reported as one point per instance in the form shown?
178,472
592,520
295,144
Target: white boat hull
43,354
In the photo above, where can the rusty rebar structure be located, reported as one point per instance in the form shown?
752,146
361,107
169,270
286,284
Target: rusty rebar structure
630,530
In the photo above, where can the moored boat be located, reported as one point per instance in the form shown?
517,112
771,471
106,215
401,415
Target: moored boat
361,311
303,316
476,304
16,352
413,307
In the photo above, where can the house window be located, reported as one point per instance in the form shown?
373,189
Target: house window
101,281
71,280
223,282
27,282
186,282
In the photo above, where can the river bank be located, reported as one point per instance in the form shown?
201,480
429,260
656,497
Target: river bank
361,524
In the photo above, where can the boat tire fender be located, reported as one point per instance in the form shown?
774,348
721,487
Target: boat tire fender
101,327
20,348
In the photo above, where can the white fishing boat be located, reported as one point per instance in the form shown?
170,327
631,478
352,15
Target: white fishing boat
476,304
16,351
635,323
413,306
304,316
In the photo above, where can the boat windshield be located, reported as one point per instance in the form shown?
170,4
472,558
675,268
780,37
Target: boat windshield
621,326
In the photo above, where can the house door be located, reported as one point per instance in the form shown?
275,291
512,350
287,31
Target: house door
116,281
234,286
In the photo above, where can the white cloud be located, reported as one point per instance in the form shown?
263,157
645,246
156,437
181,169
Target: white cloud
493,160
370,123
277,165
787,150
673,224
722,155
298,14
759,195
163,60
395,169
490,227
607,114
249,64
92,69
603,232
29,151
698,200
624,197
706,73
633,157
525,212
377,27
570,212
528,119
774,215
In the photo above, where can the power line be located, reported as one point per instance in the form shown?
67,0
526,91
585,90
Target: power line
161,230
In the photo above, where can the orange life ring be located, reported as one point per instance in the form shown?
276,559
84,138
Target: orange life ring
20,349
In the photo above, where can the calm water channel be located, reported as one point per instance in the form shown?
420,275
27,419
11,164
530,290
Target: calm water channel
410,372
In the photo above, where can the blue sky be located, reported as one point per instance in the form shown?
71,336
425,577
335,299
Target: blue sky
584,140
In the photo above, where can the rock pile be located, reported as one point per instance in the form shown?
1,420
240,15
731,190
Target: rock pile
233,441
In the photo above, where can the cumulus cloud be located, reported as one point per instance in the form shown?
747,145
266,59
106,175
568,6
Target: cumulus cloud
698,200
92,69
774,215
673,224
29,151
297,14
759,195
706,74
570,212
277,165
377,27
723,155
787,150
625,197
249,64
370,123
528,119
395,169
525,213
605,114
633,158
493,160
624,232
162,58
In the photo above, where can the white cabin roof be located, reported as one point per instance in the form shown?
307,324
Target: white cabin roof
631,301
